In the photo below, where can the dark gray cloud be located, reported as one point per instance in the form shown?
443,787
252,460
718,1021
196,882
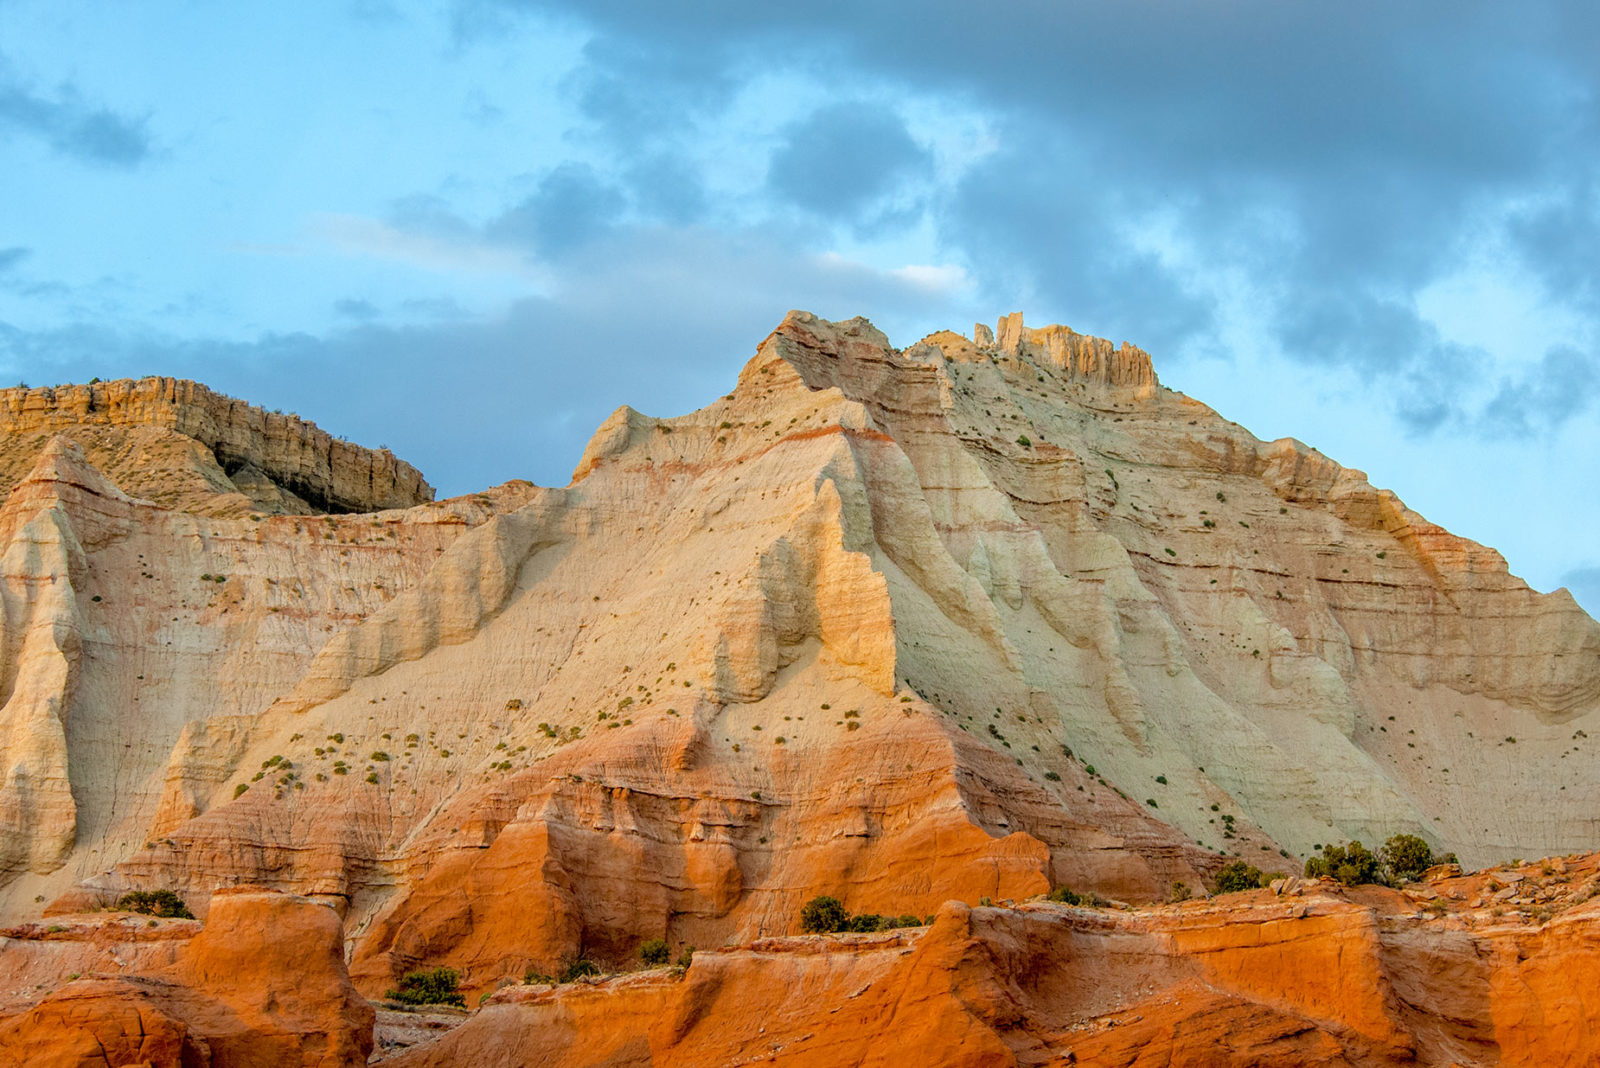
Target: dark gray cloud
1438,391
1559,240
1369,333
665,187
1042,222
1332,160
1431,394
572,206
72,126
1544,396
843,159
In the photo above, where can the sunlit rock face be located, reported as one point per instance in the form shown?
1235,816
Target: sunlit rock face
964,620
264,983
184,446
1314,976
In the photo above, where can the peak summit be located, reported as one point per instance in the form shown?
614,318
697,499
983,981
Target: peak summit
1077,355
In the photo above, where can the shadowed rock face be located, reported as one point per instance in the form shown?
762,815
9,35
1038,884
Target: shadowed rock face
183,446
961,620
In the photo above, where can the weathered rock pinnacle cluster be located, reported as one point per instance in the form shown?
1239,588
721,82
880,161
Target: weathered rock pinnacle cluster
923,629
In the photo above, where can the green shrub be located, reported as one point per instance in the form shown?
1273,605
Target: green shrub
578,969
162,903
686,958
1066,896
1237,875
1352,864
823,915
429,986
826,915
1406,856
654,952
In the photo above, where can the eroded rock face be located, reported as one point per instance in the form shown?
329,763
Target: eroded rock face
263,985
959,621
139,643
180,444
1318,977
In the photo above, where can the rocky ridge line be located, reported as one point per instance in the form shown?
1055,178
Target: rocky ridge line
281,463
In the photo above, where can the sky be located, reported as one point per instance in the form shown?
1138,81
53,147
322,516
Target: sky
468,230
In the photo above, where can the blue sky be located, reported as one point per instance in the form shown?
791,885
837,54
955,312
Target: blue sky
470,230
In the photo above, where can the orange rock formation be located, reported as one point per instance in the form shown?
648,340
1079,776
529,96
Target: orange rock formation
1318,976
263,984
966,620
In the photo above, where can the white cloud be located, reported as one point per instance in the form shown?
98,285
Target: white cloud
358,235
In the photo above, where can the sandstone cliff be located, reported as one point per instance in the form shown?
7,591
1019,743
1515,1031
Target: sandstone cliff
181,445
970,619
1494,967
263,985
1316,977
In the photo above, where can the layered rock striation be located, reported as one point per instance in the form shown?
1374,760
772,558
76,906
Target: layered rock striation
1314,976
182,445
970,619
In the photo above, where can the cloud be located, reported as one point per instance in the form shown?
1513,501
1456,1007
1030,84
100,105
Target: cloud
572,206
1455,388
628,323
844,159
1163,166
10,257
413,241
1544,396
1556,241
1370,333
665,187
73,127
1040,224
